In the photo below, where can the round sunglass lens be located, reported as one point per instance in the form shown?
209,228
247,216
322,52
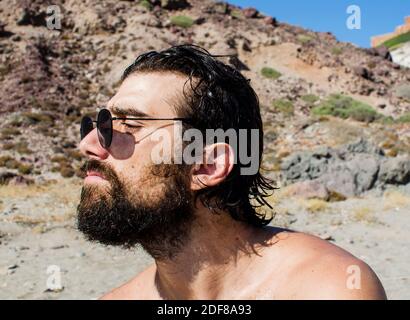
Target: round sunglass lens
86,126
104,126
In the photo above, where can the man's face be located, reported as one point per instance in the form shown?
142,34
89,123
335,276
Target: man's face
126,199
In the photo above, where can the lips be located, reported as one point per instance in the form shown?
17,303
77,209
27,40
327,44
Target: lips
95,174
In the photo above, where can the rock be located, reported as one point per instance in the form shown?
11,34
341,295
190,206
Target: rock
381,51
269,21
327,237
395,171
231,42
347,171
238,64
200,20
3,32
54,290
308,190
220,7
174,29
365,168
360,146
21,248
57,247
341,182
154,22
250,13
6,176
15,38
30,17
174,4
306,165
246,45
363,72
21,180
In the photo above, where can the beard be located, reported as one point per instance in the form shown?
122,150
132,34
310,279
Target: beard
155,214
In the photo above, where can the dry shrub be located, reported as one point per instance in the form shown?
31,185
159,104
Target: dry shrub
364,214
395,200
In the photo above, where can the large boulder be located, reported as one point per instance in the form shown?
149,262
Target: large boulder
395,171
349,170
306,165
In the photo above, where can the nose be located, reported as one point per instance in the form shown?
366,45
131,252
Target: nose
91,147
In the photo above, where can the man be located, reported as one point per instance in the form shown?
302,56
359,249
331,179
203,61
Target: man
199,221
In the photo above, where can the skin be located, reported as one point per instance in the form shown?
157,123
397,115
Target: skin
224,258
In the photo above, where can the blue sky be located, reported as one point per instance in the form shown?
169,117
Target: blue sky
377,16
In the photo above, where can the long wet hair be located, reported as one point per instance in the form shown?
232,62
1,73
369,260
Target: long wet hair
219,96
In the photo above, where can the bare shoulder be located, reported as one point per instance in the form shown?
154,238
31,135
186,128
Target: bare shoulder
317,269
138,288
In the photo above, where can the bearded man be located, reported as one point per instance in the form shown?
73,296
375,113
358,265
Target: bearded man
199,220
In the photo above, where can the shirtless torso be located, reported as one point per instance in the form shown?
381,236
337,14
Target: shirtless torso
294,266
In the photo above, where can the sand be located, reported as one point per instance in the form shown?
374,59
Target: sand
37,230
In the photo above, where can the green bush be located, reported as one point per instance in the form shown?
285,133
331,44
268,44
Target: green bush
237,14
182,21
146,4
310,98
405,118
303,38
270,73
405,37
25,168
284,106
388,120
346,107
337,51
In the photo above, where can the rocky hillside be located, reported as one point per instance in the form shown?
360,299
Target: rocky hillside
314,90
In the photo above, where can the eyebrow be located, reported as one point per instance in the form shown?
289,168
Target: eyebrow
127,111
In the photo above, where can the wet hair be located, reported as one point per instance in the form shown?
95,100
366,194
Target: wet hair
219,96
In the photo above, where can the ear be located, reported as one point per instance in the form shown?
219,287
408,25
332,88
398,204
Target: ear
218,161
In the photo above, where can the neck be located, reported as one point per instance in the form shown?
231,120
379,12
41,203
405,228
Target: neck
217,248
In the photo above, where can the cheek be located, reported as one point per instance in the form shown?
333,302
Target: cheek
132,168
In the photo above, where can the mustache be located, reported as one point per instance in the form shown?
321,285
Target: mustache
94,165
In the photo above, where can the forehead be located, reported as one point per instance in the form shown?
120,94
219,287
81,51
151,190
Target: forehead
155,94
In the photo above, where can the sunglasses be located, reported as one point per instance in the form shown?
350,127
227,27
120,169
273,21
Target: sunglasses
105,128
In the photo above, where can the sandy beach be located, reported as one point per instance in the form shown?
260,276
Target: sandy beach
38,231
